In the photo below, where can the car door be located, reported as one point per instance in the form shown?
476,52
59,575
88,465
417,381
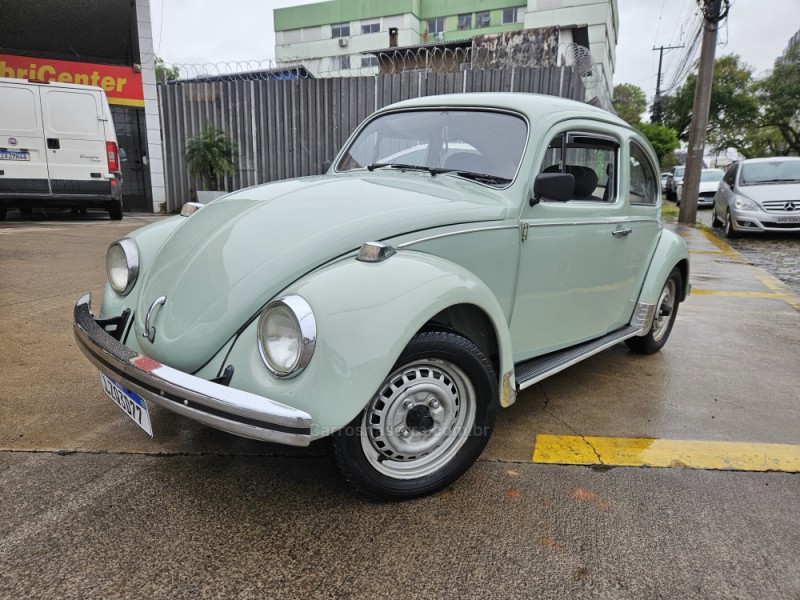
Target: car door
582,261
725,192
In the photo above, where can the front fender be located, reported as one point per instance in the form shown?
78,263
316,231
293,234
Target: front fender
366,313
671,252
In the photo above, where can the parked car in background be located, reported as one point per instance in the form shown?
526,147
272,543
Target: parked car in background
397,301
58,148
674,179
709,181
664,177
759,194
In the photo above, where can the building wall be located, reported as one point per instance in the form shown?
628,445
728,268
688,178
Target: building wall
304,32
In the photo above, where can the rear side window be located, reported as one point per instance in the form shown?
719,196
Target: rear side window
71,113
644,188
18,112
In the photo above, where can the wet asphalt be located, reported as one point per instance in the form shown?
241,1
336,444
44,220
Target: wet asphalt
90,507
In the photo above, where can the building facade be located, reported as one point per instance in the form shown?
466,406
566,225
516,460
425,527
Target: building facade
106,43
340,37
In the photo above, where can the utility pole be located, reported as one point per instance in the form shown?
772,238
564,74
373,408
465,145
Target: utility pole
712,15
657,100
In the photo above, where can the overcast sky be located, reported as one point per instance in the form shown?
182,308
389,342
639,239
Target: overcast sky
208,31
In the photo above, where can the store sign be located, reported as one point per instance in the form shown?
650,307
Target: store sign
122,85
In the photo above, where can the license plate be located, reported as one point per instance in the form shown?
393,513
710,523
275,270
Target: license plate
131,404
6,155
788,219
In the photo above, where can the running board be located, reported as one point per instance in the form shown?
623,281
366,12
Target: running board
534,370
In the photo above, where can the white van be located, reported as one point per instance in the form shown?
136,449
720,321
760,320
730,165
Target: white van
58,148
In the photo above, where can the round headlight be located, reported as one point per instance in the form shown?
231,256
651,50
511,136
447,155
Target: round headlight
287,334
122,265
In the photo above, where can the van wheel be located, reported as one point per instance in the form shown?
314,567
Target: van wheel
115,210
428,422
2,214
26,211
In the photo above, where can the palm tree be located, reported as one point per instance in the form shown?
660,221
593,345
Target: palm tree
210,155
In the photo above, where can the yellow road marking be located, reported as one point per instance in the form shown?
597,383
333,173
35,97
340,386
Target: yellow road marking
696,292
642,452
723,247
706,252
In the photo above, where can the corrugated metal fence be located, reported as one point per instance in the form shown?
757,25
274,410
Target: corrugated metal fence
287,129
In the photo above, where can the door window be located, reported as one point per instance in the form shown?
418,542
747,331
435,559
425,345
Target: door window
590,158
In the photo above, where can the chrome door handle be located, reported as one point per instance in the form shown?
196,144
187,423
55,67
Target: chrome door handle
623,232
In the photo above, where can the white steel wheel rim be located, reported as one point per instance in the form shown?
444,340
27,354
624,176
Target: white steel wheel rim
395,436
666,301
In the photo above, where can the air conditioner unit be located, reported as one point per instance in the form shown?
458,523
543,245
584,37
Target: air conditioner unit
342,42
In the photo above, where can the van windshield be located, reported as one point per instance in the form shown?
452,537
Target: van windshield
465,143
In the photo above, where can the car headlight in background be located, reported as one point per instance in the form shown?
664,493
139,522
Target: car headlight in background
287,335
122,265
744,204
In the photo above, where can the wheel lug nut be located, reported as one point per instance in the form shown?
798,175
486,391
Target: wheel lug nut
433,403
408,404
404,432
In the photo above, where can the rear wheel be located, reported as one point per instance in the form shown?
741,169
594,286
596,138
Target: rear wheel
666,312
115,210
3,213
428,422
26,211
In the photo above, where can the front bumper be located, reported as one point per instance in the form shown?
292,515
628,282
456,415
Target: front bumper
761,222
235,411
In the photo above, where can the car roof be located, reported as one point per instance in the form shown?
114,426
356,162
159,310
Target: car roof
534,106
768,159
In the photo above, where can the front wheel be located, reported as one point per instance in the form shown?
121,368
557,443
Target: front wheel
115,210
428,422
728,230
715,222
666,312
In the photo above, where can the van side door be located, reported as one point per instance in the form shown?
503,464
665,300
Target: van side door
23,157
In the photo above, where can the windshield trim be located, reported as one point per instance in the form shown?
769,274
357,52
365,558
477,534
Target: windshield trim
451,107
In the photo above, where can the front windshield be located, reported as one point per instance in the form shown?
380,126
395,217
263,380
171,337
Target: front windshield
711,175
679,171
774,171
460,142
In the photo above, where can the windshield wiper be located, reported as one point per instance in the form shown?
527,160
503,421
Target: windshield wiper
479,177
785,180
378,165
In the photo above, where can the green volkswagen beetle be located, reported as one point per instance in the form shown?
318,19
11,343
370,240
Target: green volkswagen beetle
459,249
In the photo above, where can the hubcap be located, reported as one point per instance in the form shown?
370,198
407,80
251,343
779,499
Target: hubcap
419,419
666,305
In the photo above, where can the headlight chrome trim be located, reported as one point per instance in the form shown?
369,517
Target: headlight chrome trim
131,253
307,326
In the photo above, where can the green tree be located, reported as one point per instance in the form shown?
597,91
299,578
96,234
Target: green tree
630,102
663,139
210,155
734,109
779,93
165,73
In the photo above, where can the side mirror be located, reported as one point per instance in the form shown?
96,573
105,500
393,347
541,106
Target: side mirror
553,186
325,166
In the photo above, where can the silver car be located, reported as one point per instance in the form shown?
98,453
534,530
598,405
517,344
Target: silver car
759,194
709,182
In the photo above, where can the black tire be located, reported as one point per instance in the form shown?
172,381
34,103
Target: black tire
666,312
728,229
389,462
715,222
26,211
115,210
670,195
3,213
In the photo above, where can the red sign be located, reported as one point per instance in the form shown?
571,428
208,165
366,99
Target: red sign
122,85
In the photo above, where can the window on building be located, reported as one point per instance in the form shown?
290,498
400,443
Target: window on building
482,19
340,30
340,63
513,15
464,22
370,27
369,61
436,25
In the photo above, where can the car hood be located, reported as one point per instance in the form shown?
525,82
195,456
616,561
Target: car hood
708,186
772,191
227,260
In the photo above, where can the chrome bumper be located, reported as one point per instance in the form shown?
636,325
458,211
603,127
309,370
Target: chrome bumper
235,411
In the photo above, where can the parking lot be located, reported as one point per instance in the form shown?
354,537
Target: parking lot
673,475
